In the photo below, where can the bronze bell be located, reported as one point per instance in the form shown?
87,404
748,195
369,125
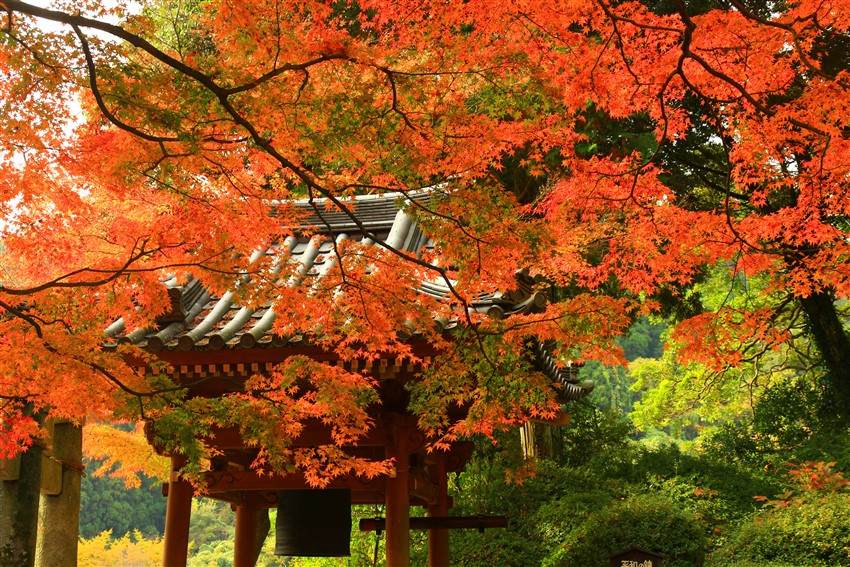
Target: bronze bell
313,523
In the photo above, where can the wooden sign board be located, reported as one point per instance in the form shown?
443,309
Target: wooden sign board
636,557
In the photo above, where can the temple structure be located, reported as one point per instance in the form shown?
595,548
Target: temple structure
211,337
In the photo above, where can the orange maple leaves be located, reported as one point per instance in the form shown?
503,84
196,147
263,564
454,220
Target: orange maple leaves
190,135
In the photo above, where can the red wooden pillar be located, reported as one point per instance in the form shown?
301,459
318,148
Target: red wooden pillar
178,512
438,539
398,499
246,532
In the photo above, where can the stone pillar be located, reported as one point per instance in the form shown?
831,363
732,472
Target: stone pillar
19,500
59,514
20,484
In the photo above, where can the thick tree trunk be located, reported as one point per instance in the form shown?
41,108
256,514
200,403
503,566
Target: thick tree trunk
551,442
19,512
834,345
59,514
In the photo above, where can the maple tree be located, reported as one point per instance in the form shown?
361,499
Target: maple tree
616,149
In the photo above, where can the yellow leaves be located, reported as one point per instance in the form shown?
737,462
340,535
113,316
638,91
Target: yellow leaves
131,550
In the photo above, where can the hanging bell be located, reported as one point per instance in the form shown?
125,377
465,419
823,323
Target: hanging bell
313,523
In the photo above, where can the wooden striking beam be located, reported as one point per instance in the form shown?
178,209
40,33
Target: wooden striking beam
439,523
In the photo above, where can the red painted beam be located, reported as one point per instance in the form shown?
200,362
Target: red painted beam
272,354
222,482
315,433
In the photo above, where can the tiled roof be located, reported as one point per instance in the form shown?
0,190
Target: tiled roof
564,375
202,321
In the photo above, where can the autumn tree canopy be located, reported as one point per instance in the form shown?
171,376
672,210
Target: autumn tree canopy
615,149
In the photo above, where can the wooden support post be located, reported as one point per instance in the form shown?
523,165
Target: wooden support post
59,513
438,539
398,499
178,512
244,544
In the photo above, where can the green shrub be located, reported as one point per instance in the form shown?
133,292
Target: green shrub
555,520
805,531
649,521
807,525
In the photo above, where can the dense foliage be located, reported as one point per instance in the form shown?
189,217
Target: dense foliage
106,504
808,525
